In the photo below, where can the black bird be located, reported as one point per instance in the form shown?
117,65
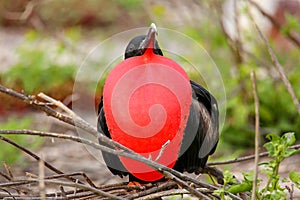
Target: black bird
201,132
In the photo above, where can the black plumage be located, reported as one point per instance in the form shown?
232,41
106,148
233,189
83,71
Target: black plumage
201,133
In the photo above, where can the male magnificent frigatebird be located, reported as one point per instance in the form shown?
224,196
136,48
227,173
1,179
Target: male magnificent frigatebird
150,106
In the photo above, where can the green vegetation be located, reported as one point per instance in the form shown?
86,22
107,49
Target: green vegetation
278,149
41,70
278,114
10,154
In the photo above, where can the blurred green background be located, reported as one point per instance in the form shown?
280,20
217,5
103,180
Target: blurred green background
44,42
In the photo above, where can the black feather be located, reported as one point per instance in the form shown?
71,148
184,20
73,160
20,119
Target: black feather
201,134
112,161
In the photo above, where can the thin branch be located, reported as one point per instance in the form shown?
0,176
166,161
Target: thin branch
245,158
280,70
168,172
289,34
275,61
57,103
48,165
123,151
152,190
256,160
37,104
87,179
75,185
42,180
5,176
6,191
8,171
234,44
21,16
186,186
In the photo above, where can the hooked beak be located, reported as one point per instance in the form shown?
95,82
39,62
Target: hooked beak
149,41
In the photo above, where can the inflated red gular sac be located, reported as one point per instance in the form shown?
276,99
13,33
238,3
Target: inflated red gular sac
150,106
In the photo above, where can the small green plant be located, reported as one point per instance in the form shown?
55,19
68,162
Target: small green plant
228,179
295,178
278,149
245,186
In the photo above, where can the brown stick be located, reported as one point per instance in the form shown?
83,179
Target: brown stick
280,70
70,184
87,127
122,150
48,165
256,159
167,172
245,158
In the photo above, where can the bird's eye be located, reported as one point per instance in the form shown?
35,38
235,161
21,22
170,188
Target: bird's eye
131,47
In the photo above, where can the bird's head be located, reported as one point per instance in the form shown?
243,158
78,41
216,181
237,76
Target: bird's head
138,45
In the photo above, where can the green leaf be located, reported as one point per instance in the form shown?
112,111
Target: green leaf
249,177
273,137
290,152
270,148
228,177
243,187
292,24
295,177
289,138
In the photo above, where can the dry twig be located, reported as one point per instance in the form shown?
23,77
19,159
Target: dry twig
123,151
182,179
292,36
280,70
169,173
256,159
276,63
245,158
48,165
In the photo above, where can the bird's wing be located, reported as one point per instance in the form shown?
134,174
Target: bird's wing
207,107
112,161
201,133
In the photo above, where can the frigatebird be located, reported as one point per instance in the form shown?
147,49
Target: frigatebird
190,130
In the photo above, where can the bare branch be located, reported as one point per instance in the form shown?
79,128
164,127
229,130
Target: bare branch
256,160
280,70
57,103
245,158
8,171
48,165
152,190
169,173
75,185
290,34
180,178
42,180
